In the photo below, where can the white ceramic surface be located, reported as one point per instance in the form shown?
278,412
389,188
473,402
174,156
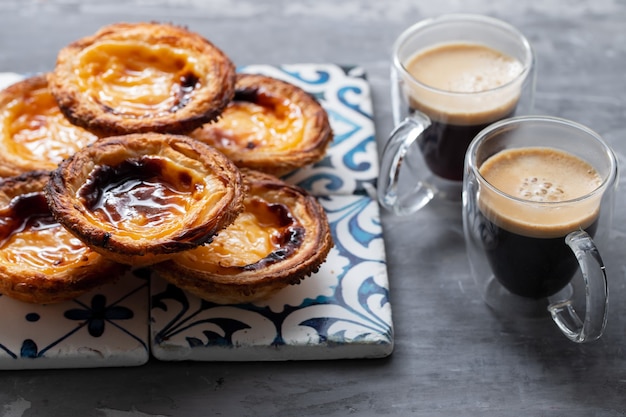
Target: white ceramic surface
104,328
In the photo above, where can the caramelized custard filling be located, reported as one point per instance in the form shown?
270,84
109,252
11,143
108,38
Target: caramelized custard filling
265,233
36,130
141,196
137,80
30,236
257,119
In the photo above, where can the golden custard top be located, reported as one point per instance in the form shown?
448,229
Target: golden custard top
31,238
145,195
139,198
259,120
264,233
136,79
34,130
140,78
270,126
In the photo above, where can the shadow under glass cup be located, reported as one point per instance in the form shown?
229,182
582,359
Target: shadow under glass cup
451,76
537,202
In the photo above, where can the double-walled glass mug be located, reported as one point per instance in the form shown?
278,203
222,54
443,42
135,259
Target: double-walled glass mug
451,76
537,203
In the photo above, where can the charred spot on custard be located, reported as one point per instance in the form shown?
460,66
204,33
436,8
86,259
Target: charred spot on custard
183,91
26,211
287,241
185,179
259,96
290,241
271,213
105,177
249,95
144,178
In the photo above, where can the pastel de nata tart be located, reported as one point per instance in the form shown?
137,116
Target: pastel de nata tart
271,126
34,134
139,198
280,238
40,261
142,77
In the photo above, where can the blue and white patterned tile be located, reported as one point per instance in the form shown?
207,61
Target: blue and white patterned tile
351,163
103,328
342,311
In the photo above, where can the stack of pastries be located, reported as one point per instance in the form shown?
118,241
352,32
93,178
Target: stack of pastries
144,148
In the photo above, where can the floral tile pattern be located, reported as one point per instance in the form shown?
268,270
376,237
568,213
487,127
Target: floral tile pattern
106,327
342,311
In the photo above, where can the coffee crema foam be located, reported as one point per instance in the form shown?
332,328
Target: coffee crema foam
540,177
459,70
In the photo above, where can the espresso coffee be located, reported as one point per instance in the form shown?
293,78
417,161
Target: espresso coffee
524,236
466,87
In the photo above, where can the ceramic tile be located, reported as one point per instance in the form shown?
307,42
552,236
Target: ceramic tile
106,327
342,311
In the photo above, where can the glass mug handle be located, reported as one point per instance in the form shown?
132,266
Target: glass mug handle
392,160
596,293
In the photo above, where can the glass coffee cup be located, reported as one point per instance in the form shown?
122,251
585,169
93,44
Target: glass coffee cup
537,202
451,76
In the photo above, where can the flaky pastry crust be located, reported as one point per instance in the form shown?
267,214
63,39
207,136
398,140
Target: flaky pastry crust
271,126
142,77
280,238
40,261
140,198
34,134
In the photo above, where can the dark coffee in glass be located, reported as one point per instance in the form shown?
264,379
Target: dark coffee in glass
534,267
473,73
538,196
525,243
451,76
444,145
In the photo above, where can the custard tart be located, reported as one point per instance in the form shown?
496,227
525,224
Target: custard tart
142,77
271,126
34,134
40,261
139,198
280,238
